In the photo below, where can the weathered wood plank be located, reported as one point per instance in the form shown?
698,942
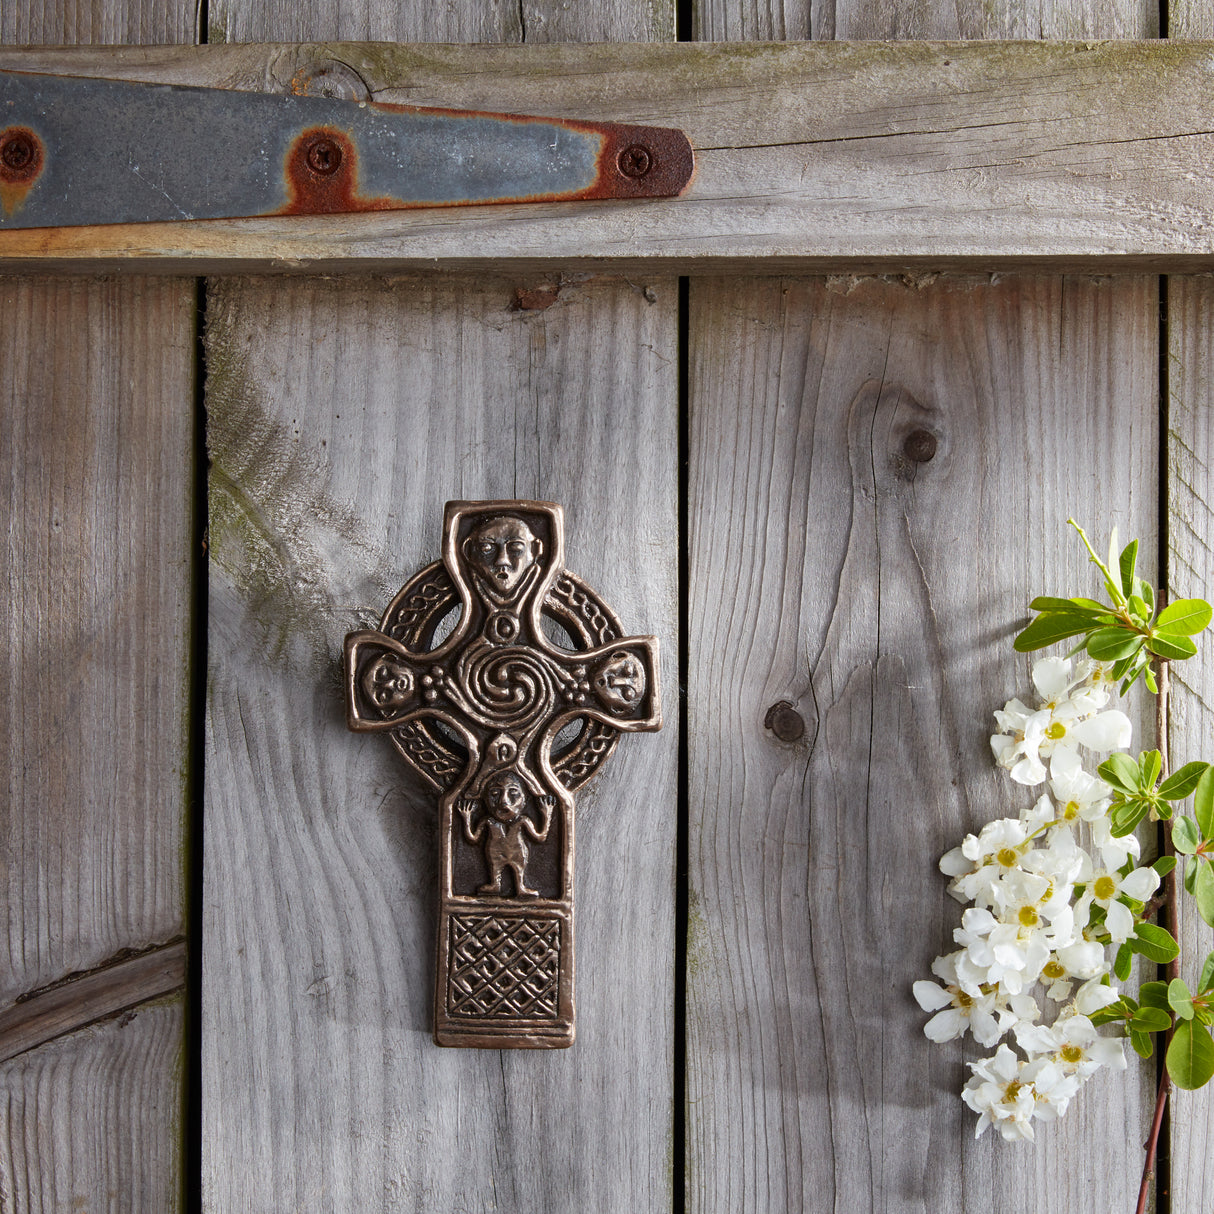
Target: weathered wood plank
101,22
530,21
342,415
91,1121
760,20
813,155
96,457
1191,572
879,596
95,454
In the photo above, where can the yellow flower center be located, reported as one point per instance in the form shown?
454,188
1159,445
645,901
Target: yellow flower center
1012,1090
1054,970
1028,916
1007,856
1056,730
1104,887
1070,811
1072,1054
961,999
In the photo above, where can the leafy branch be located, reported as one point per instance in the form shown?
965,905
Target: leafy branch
1128,631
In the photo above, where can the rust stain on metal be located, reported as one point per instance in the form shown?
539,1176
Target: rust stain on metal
21,161
321,172
632,162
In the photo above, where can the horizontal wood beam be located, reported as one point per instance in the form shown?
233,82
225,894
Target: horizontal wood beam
83,999
847,157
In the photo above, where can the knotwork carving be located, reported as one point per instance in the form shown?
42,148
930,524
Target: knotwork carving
477,696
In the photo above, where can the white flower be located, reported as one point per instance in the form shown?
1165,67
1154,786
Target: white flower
1000,1097
1072,1044
1062,861
1053,1088
980,860
1105,889
1004,954
956,1010
1114,852
1081,796
1094,995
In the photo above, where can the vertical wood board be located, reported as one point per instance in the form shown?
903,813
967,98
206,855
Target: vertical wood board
1190,378
96,456
95,459
487,21
879,596
761,20
92,1121
342,416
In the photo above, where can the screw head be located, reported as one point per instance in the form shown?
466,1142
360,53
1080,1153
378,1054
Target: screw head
635,161
16,152
324,156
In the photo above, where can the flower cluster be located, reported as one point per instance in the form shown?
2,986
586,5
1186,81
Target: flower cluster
1047,894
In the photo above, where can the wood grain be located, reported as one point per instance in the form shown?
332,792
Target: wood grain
879,596
91,1121
342,416
1191,573
95,457
530,21
836,156
106,22
1190,384
760,20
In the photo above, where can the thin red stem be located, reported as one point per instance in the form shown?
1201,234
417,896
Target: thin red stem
1167,905
1148,1172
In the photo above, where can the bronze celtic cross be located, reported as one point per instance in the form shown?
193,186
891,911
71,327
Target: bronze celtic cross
507,724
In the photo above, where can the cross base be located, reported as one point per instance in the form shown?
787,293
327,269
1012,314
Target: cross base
505,974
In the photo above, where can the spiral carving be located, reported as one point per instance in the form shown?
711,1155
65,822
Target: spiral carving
508,689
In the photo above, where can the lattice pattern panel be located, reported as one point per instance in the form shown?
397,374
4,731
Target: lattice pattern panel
504,967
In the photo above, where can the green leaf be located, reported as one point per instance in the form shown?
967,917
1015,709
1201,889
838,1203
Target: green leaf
1150,764
1180,1000
1203,803
1122,963
1139,609
1121,772
1125,816
1203,891
1163,865
1155,943
1170,648
1154,994
1048,630
1129,555
1206,981
1151,1020
1191,865
1186,838
1149,678
1190,1057
1143,1046
1182,781
1186,617
1086,607
1109,644
1148,593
